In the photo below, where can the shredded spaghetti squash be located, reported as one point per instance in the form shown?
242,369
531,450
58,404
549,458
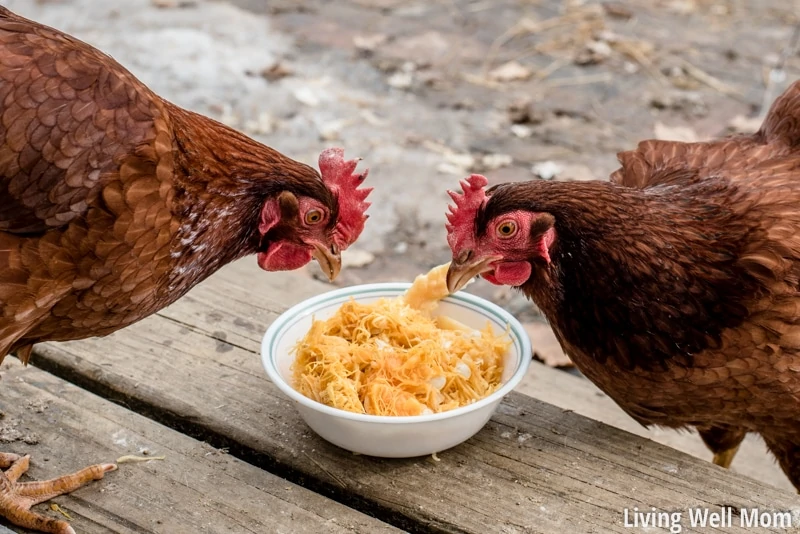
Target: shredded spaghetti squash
392,357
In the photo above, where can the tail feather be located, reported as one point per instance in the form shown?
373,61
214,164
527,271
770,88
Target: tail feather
782,123
656,162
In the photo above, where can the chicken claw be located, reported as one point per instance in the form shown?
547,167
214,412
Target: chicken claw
16,498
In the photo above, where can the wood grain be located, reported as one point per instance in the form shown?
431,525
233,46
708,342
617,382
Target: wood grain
195,489
579,395
533,468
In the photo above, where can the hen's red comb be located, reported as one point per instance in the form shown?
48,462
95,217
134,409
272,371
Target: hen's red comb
466,204
338,175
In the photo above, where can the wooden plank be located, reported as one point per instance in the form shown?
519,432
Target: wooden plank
195,488
578,394
534,467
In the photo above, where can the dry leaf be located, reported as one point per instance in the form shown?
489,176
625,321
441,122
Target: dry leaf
742,124
401,80
425,49
524,111
368,43
355,258
509,72
617,10
263,125
593,53
306,95
683,7
675,133
546,170
330,130
496,161
465,161
372,119
521,131
276,72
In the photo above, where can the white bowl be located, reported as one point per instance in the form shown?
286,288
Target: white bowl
392,436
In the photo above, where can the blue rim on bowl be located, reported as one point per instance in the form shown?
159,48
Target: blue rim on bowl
313,305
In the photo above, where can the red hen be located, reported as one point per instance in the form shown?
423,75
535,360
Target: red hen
115,202
674,286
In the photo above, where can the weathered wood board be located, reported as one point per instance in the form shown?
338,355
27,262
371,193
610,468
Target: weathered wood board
582,397
194,489
533,468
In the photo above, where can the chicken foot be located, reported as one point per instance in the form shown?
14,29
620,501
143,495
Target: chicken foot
16,498
723,441
725,458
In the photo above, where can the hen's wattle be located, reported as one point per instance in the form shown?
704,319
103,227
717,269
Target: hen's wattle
674,286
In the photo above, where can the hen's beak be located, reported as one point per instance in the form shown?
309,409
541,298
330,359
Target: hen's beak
464,268
329,259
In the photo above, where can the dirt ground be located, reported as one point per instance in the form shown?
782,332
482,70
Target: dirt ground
429,91
518,90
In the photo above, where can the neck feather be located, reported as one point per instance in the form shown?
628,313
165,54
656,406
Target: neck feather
642,276
221,181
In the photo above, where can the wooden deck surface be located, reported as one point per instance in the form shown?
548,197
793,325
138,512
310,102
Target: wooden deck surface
575,393
189,385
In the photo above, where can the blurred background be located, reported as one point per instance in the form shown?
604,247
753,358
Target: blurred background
429,91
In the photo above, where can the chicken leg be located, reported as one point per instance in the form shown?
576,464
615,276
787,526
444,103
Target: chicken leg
16,498
723,441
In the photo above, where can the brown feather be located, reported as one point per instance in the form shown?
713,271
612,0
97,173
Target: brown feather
114,202
674,286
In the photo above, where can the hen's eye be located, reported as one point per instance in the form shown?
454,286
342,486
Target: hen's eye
506,229
313,216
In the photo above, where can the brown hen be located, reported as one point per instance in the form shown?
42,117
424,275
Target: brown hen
114,203
673,287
